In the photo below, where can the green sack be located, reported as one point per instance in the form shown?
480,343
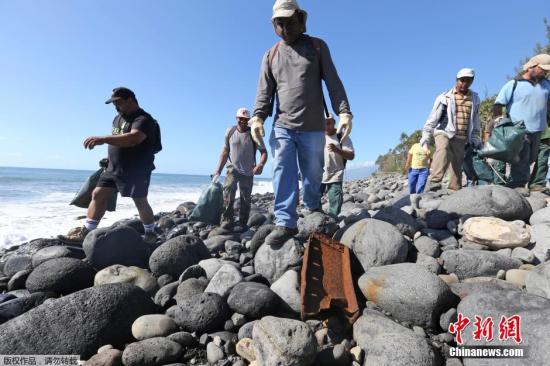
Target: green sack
506,141
210,205
84,195
475,168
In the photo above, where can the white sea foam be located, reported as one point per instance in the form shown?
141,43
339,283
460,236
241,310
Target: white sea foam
24,220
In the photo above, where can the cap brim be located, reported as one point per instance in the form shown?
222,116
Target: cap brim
110,100
545,67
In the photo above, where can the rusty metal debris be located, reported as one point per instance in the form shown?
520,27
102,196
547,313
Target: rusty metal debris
327,284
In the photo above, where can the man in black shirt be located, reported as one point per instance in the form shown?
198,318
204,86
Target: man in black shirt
132,147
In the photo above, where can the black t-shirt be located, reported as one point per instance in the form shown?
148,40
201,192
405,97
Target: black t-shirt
136,160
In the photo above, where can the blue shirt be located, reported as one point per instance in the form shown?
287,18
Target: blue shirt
528,104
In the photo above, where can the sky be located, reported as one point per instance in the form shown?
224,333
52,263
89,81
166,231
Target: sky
193,63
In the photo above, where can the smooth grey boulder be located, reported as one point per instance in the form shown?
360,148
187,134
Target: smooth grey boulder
316,221
496,201
224,280
17,263
540,217
404,222
153,325
201,313
56,251
353,214
540,235
474,263
273,261
387,343
253,300
115,245
375,243
61,275
18,280
427,246
84,320
281,341
481,284
175,255
537,280
537,200
288,289
152,352
408,291
535,322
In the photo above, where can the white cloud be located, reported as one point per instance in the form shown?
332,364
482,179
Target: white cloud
361,164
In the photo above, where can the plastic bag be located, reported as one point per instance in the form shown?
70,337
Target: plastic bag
475,168
84,195
210,205
506,141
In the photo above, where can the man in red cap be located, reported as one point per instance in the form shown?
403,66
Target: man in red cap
132,146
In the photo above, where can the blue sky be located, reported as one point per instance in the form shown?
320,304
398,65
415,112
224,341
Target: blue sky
192,63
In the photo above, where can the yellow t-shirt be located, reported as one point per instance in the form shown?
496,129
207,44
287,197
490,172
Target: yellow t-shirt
420,157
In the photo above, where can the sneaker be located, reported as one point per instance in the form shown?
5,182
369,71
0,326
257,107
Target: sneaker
280,235
434,186
74,236
150,238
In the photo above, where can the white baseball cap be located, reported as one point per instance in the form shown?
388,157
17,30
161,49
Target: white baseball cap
285,9
466,73
243,112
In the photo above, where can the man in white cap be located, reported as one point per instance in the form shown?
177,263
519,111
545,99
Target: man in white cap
240,149
526,99
291,73
454,121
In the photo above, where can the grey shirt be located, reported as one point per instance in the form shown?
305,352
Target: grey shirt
242,150
335,163
295,78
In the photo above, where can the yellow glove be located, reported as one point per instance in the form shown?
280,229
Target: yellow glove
257,130
344,125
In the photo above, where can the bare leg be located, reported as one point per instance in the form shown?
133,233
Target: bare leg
98,206
145,211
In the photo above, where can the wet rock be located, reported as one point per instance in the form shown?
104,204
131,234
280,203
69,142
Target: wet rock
473,263
272,261
134,275
175,255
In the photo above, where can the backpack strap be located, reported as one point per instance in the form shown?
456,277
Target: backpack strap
512,97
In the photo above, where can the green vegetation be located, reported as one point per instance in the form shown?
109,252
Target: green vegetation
394,159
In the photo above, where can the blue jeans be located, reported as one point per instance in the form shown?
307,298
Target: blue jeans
417,180
292,149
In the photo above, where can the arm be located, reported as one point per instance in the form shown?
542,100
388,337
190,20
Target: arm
222,161
431,122
497,110
476,127
133,138
265,90
345,153
258,169
408,162
337,93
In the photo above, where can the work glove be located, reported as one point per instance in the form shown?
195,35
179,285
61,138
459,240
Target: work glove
215,178
257,130
344,125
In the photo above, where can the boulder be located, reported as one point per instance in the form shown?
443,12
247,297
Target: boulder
427,246
18,280
537,280
153,325
375,243
540,235
84,320
481,284
272,261
288,289
194,271
496,233
253,300
404,222
15,306
259,237
387,343
410,292
61,275
537,201
16,263
115,245
134,275
56,251
280,341
201,313
256,219
189,288
493,201
316,221
474,263
176,254
216,243
224,280
164,296
152,352
540,217
535,322
109,357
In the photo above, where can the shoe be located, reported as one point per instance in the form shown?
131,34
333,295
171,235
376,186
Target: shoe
280,235
308,211
150,238
434,186
74,236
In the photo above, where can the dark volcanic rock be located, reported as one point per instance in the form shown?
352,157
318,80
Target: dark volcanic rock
202,313
115,245
17,263
17,306
174,256
79,323
253,300
152,352
56,251
61,275
404,222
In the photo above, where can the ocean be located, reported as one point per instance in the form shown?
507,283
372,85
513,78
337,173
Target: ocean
34,203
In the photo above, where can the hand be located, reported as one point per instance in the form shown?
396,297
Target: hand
344,125
93,141
334,148
258,169
257,130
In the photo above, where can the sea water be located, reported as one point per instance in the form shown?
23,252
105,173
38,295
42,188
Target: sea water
34,203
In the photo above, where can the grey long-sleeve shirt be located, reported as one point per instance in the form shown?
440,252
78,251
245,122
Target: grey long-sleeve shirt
295,79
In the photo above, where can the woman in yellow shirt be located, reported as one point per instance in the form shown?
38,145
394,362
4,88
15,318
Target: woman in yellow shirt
418,168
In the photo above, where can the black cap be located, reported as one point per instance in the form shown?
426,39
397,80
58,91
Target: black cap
120,93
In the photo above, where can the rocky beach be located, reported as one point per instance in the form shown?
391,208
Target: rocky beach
208,295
